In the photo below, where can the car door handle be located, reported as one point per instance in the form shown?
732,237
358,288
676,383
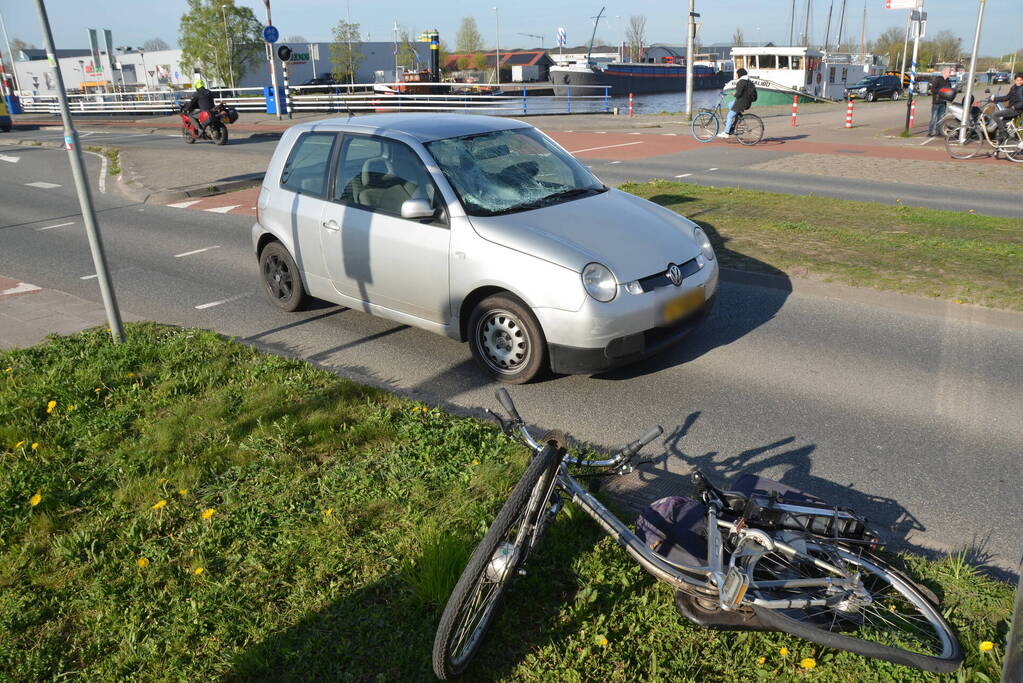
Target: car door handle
331,225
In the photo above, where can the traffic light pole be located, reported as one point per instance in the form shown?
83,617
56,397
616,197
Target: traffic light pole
82,186
273,65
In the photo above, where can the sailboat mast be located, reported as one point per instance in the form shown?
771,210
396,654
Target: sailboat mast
792,22
841,26
594,34
827,32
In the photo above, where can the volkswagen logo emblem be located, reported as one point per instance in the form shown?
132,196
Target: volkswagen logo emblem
674,274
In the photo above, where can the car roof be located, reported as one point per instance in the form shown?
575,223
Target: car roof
422,126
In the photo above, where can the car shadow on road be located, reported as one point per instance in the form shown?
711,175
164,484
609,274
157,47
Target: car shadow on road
780,140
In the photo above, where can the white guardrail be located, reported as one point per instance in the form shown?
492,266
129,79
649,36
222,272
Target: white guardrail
511,100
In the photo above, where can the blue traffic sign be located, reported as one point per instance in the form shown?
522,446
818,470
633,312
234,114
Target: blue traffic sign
271,34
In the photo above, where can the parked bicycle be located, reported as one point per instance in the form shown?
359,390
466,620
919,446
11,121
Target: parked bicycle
747,129
760,556
983,132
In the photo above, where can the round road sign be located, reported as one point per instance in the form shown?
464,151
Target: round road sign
271,34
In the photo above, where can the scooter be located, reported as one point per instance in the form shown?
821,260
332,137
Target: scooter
212,124
954,117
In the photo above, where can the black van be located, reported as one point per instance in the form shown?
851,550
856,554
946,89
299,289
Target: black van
873,87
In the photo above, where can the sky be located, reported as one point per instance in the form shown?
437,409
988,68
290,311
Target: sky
134,22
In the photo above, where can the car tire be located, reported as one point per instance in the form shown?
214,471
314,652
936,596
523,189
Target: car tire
282,282
507,340
871,97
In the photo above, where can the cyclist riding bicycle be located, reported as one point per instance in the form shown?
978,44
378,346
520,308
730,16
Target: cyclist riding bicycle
1015,106
745,96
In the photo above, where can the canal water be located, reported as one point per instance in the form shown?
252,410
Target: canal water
672,102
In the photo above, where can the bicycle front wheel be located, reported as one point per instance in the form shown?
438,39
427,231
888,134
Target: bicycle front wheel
885,617
477,595
749,129
1015,153
705,126
966,149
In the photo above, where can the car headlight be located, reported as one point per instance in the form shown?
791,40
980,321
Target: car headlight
703,242
863,91
599,282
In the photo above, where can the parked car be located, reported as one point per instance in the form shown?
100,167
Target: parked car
874,87
1001,77
482,229
323,85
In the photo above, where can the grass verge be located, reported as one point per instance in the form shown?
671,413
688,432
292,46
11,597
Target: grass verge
183,507
959,257
113,156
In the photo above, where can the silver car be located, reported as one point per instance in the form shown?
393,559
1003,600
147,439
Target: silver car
485,230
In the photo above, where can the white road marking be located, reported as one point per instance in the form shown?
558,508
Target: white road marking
684,175
185,205
600,132
635,133
20,288
222,209
669,133
712,169
174,136
43,186
12,160
88,277
197,251
102,171
222,301
590,149
51,227
926,141
612,162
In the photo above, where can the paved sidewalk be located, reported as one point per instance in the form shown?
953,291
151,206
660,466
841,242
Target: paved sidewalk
29,313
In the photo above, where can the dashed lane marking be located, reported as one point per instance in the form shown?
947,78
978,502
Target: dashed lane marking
713,169
88,277
222,301
612,162
197,251
684,175
10,160
591,149
222,209
927,141
51,227
669,134
42,186
185,205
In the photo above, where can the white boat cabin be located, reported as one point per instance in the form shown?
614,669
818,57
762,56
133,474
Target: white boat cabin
802,68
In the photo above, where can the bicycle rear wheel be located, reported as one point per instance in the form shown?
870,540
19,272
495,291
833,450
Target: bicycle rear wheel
705,126
1015,153
507,543
749,129
886,617
968,148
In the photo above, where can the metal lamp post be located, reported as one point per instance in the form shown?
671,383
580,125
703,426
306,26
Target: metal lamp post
497,64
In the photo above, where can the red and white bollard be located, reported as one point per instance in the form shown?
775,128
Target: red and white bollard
795,108
630,105
848,115
912,113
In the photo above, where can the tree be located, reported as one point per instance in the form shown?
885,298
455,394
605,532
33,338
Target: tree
345,55
635,34
219,39
480,62
17,45
737,40
407,56
468,38
155,45
943,47
889,44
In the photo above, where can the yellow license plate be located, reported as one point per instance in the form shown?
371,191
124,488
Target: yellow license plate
676,308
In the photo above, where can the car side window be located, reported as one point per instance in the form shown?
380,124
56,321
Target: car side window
308,164
377,174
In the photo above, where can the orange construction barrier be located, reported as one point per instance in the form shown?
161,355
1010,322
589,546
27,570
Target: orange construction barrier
795,108
848,115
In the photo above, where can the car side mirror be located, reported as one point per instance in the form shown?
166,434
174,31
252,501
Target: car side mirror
417,208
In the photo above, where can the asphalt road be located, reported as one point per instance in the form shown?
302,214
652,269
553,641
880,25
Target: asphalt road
911,418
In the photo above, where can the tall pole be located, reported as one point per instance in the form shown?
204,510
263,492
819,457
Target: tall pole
1012,669
905,44
82,186
351,55
273,65
827,31
690,34
973,70
841,25
916,15
10,53
497,64
792,22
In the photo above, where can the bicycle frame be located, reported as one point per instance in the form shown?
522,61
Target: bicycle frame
982,122
711,580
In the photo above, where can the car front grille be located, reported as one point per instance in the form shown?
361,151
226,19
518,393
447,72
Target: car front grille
652,282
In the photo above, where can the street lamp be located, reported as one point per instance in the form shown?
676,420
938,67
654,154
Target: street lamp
497,65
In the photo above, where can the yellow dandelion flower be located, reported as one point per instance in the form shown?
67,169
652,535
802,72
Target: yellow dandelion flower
19,444
198,571
98,389
784,652
159,504
143,562
475,461
328,512
602,641
8,369
34,500
161,480
50,406
182,492
761,660
808,663
207,513
131,374
35,445
987,646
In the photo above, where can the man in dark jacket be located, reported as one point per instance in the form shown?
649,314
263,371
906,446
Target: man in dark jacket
1014,98
745,93
201,100
938,102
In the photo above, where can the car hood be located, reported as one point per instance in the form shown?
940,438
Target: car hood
632,236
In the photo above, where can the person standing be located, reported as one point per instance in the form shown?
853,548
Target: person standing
745,96
938,102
